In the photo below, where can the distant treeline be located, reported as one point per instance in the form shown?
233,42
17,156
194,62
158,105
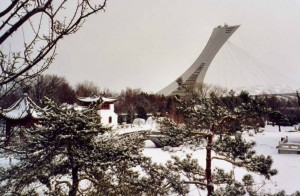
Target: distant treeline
134,103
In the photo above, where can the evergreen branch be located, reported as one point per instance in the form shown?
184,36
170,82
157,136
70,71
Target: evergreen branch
239,164
195,182
13,151
62,182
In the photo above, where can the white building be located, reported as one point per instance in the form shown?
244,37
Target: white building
106,108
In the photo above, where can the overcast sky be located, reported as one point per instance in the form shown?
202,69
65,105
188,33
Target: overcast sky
147,44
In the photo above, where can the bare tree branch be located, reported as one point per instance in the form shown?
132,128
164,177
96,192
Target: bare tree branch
9,8
38,51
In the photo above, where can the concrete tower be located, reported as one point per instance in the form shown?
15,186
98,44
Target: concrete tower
196,72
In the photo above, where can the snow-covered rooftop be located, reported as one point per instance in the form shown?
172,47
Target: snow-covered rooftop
22,108
95,98
109,100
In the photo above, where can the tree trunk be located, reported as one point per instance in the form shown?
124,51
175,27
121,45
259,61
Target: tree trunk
75,180
279,128
208,175
8,133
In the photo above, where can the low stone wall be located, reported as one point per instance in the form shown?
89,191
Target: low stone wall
285,147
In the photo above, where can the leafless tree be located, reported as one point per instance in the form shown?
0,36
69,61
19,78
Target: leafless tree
128,101
86,88
203,90
52,86
219,90
40,24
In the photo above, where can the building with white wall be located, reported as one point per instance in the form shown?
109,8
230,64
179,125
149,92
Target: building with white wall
106,108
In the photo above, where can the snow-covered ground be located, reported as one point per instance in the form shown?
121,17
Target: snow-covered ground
288,165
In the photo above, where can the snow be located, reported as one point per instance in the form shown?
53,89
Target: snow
139,122
22,108
287,164
131,128
19,111
267,89
151,122
6,162
96,98
109,100
89,99
35,114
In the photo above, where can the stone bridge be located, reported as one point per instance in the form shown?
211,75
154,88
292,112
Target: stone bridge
155,136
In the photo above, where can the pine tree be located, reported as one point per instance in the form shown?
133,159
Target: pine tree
203,120
279,119
71,153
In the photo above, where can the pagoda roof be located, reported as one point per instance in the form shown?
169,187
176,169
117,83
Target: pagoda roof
90,99
96,98
22,108
109,100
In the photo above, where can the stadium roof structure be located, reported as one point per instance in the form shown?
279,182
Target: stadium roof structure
196,72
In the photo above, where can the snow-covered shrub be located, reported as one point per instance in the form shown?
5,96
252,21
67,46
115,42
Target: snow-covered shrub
137,122
218,123
71,153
